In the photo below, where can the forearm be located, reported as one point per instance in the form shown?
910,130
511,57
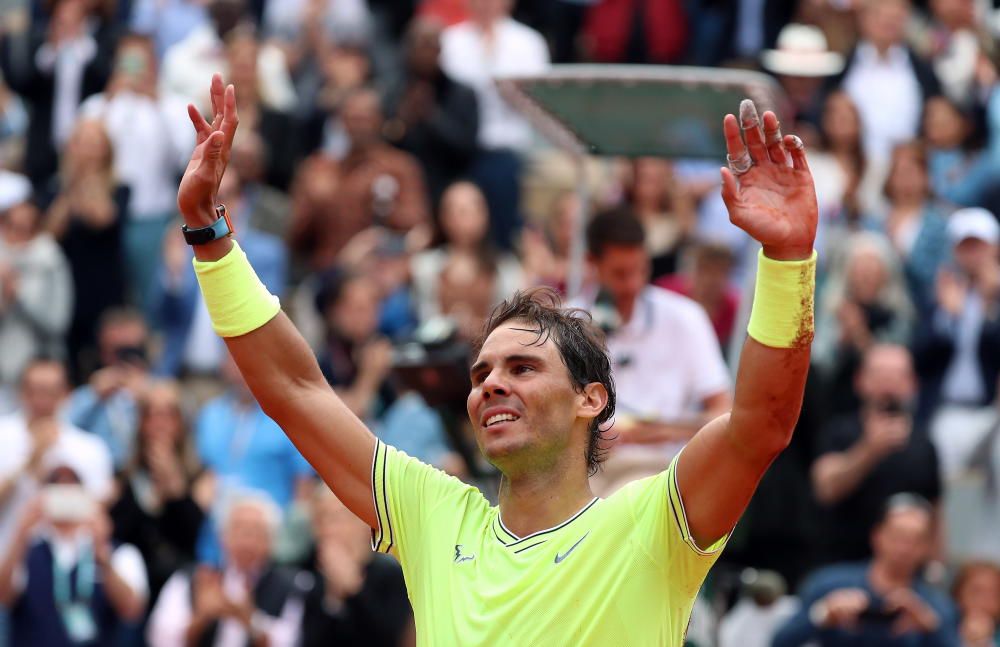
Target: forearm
838,474
13,559
199,623
127,604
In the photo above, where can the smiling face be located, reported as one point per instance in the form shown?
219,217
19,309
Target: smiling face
525,409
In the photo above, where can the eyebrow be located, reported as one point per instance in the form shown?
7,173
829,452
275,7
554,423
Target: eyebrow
510,359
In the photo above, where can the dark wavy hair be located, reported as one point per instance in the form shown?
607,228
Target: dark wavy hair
581,345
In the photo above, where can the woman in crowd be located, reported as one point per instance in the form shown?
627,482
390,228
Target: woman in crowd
87,218
976,591
666,211
464,276
163,496
961,171
863,302
914,221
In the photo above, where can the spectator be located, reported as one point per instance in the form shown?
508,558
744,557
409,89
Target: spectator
958,348
915,222
885,78
167,22
723,30
864,301
839,167
188,65
475,52
243,449
64,580
328,74
162,494
665,209
430,116
643,323
87,218
960,172
762,609
357,363
360,596
36,290
258,206
336,20
704,278
36,440
274,124
107,405
881,602
610,35
192,348
465,276
976,591
545,249
865,457
800,61
54,66
954,43
248,600
374,184
151,136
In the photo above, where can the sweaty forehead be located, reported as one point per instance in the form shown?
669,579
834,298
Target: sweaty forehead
514,338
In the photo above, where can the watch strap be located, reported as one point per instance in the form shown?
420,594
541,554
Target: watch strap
221,228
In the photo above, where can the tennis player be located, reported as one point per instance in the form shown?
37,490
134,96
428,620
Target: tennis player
552,564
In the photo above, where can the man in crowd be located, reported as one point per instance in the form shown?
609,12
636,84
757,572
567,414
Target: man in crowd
108,404
666,390
882,449
883,602
248,601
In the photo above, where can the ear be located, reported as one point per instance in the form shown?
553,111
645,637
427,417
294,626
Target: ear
593,399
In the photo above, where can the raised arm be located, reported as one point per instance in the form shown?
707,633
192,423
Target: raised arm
774,201
275,360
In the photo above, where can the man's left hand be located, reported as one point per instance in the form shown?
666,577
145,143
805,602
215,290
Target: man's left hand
774,200
915,615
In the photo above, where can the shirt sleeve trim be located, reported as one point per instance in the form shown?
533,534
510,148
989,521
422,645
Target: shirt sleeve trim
680,516
382,537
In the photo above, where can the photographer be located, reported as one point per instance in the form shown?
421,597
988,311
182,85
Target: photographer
107,404
879,450
883,602
63,579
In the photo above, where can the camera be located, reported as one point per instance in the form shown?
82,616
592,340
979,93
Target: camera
66,503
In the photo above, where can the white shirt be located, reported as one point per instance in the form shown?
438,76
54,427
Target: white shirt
515,50
152,140
171,616
666,359
888,97
751,625
85,453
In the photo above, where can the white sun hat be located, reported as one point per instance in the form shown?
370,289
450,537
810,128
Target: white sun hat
973,222
802,51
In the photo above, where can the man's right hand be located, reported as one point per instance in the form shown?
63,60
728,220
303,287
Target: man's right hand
196,195
885,434
841,608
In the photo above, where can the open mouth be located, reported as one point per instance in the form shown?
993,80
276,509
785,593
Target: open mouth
500,417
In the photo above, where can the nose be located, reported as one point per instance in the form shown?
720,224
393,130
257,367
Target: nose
494,385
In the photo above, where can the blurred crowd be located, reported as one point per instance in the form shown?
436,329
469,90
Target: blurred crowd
386,191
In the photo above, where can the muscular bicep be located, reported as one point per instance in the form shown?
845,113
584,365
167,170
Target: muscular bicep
283,375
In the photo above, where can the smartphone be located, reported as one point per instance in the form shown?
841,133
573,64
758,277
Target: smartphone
135,355
878,615
66,503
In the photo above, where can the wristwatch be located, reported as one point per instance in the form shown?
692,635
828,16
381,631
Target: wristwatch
221,228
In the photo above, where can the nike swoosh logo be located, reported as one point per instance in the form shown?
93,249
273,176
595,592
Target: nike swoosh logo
561,557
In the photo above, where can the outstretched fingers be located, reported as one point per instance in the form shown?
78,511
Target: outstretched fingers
735,150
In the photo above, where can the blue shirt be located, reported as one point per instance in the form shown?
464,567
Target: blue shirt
114,419
800,629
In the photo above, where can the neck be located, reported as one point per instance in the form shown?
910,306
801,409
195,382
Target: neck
884,579
543,499
626,309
